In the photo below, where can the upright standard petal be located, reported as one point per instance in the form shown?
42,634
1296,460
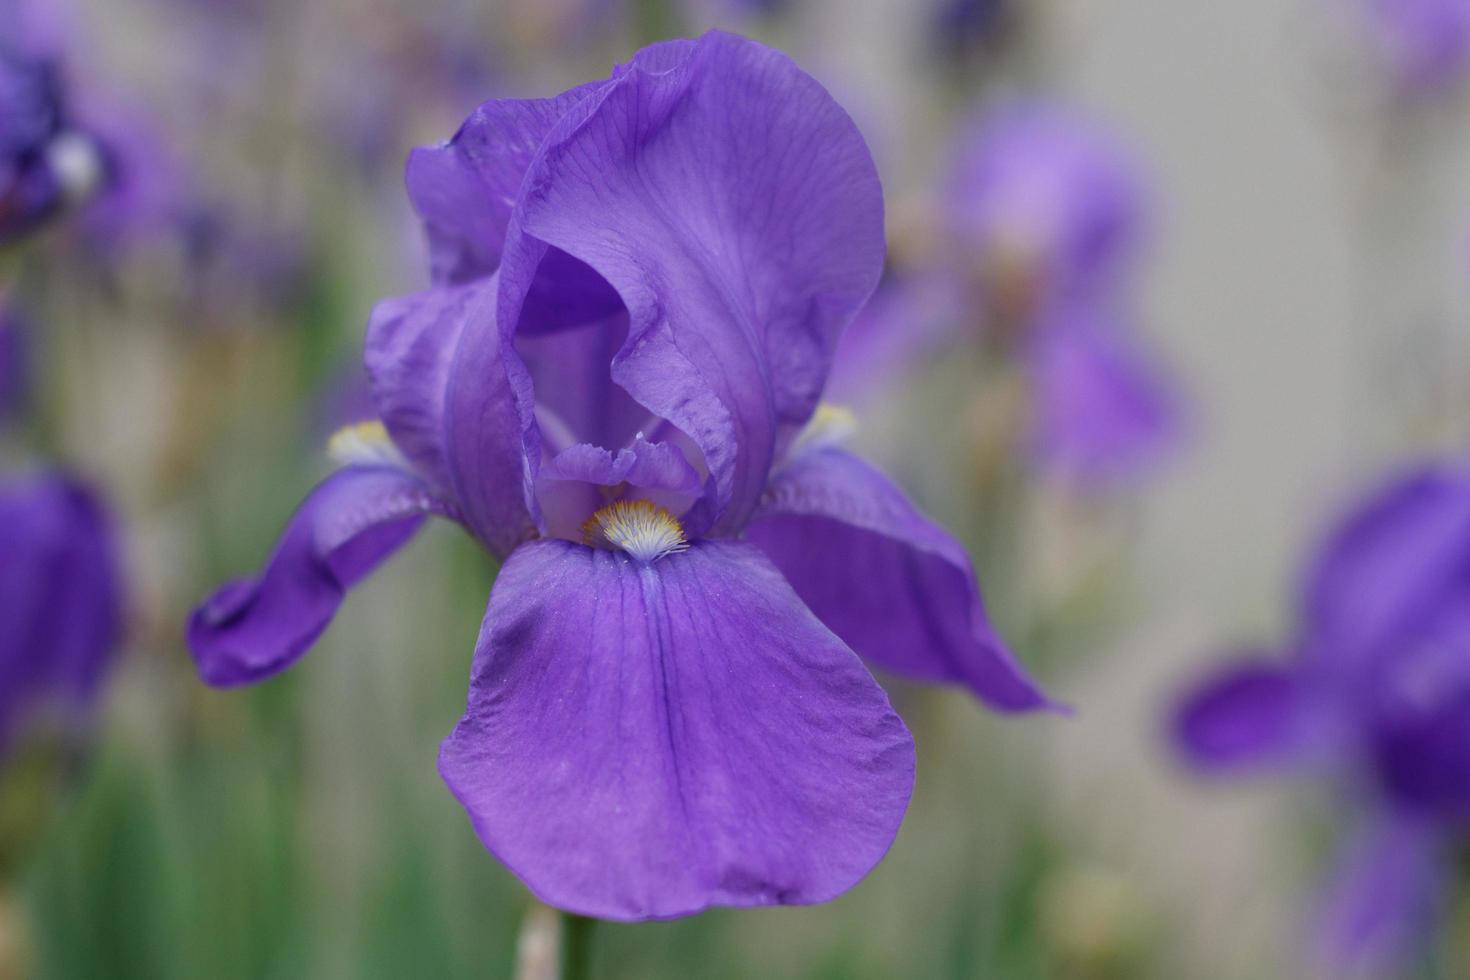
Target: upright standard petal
491,455
410,344
60,596
354,519
464,189
576,398
737,212
645,740
443,389
886,579
1251,713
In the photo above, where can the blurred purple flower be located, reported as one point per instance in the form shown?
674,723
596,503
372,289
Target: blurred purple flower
44,164
1101,411
1424,45
1042,221
613,384
55,154
144,189
1375,687
60,599
1041,209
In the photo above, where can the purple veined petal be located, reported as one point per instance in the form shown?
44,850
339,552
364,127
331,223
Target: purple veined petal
1382,899
414,345
644,741
464,191
651,465
1251,713
1388,567
60,596
350,523
658,57
465,188
886,579
576,399
593,435
735,209
1102,412
410,343
491,437
579,480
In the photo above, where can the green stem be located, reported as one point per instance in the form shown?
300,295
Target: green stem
576,946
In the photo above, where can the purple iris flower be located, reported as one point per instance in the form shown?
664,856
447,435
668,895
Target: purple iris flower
1042,222
143,188
32,144
613,384
1424,45
1101,411
56,154
60,598
1376,688
1040,209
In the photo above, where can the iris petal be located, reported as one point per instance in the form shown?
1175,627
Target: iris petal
1249,713
890,582
737,212
354,519
464,189
1390,567
646,740
410,343
62,615
1102,411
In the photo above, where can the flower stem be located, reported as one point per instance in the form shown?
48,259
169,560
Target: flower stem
576,946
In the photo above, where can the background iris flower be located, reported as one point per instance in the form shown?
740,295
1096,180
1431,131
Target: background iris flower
1037,233
1375,689
60,600
43,164
1422,46
613,383
64,144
